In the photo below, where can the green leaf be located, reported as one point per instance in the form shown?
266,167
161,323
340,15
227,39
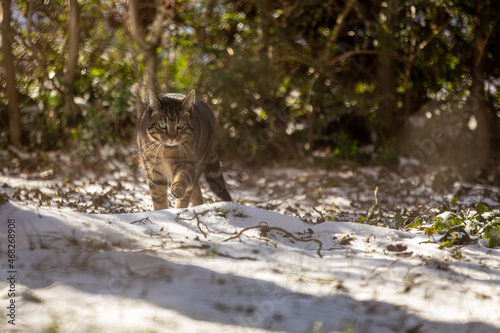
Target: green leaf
493,242
430,231
397,222
74,133
360,219
415,224
97,72
492,233
482,208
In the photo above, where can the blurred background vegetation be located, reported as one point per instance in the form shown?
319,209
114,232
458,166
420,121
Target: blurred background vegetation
290,79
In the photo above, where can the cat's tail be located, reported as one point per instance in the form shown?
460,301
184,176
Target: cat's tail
214,177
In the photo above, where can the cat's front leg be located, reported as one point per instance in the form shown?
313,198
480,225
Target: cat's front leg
184,202
192,194
179,189
182,186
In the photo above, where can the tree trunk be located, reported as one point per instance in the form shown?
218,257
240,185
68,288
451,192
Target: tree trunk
72,61
476,104
151,67
386,83
10,77
73,44
148,45
266,72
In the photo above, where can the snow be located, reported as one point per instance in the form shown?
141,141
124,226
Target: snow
287,256
228,267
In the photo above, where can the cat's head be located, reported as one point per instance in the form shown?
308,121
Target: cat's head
170,118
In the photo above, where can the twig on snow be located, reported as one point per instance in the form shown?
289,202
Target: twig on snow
198,222
420,215
265,229
143,221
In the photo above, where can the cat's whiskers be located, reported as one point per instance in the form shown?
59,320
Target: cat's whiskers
160,149
155,149
187,149
182,152
151,148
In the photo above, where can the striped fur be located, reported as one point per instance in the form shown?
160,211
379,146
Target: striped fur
175,139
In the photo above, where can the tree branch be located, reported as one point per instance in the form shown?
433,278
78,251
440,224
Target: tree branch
349,54
436,32
137,30
156,32
339,23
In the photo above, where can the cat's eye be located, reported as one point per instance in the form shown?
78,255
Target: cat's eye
162,125
181,125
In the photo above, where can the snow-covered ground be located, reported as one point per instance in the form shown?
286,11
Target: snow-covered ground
90,256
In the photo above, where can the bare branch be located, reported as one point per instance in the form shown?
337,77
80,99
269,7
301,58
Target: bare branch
138,31
349,54
339,24
436,32
156,32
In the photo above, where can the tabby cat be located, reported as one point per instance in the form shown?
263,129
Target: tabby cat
175,137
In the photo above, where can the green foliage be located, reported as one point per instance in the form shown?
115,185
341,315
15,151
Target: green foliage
283,76
398,221
415,225
465,226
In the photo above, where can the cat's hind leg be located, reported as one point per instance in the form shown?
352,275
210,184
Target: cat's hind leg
214,177
196,196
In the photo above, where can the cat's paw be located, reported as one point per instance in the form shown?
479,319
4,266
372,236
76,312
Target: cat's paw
178,190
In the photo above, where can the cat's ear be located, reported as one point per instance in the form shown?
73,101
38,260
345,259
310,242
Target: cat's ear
188,102
153,101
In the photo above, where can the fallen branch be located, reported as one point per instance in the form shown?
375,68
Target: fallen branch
206,247
143,221
265,229
198,222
